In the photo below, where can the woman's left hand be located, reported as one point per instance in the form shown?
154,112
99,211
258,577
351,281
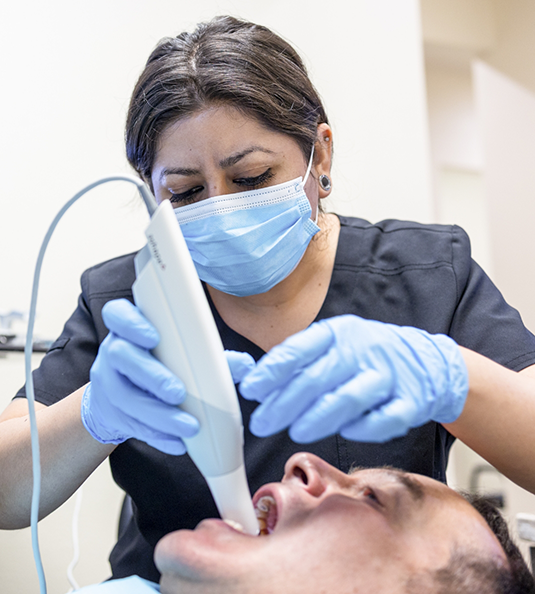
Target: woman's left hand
367,380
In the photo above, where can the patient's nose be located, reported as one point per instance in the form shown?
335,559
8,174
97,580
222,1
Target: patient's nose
311,473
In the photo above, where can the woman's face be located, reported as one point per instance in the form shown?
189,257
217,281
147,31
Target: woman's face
222,151
369,531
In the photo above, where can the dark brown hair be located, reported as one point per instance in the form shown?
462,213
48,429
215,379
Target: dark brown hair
224,61
470,572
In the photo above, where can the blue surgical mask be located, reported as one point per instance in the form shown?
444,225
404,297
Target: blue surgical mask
248,242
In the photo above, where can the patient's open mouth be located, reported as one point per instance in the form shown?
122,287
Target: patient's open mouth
266,513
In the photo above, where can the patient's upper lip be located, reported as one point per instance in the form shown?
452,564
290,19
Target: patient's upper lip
272,490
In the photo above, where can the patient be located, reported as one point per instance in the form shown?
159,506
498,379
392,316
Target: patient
372,531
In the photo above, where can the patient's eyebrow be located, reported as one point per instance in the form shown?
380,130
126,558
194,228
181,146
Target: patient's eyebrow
413,486
407,480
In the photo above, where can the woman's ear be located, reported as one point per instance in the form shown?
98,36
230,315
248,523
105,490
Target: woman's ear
323,159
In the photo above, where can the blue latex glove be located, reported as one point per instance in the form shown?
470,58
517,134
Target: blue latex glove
364,379
132,394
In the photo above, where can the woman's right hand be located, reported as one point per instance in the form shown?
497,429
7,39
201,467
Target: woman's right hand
131,394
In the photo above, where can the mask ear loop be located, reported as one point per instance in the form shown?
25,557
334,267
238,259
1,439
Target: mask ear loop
309,168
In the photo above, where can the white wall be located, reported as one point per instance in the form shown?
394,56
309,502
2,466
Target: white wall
67,70
506,115
513,52
456,154
466,25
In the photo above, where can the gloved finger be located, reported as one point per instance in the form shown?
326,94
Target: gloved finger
283,361
147,417
167,443
260,423
240,364
322,376
392,420
126,320
174,447
349,402
144,370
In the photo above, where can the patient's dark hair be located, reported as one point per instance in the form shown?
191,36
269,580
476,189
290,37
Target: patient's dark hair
469,572
226,61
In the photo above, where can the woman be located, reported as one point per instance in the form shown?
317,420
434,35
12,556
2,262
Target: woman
356,317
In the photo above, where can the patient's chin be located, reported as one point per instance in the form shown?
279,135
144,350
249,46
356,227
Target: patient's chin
174,584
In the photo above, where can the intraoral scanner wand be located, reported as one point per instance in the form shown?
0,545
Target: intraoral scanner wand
169,293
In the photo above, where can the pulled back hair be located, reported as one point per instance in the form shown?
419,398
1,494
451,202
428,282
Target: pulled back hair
469,572
224,61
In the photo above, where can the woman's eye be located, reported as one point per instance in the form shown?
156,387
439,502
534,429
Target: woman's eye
186,197
254,182
190,196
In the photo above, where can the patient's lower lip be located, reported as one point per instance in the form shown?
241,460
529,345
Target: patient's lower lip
236,525
209,524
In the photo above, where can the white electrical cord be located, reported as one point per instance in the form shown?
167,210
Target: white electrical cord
75,541
30,394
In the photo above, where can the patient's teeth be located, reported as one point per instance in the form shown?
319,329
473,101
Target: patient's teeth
263,505
236,525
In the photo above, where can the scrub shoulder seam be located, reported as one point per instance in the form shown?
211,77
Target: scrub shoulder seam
393,271
127,293
518,361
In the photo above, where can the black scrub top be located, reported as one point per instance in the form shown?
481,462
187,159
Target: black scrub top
397,272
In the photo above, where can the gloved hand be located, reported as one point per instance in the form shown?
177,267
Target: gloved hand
364,379
132,394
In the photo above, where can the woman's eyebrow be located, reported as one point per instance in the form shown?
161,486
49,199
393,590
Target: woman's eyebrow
177,171
224,163
233,159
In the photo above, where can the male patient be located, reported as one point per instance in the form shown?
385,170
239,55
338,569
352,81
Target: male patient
372,531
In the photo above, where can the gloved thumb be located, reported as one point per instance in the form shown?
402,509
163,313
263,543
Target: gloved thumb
240,364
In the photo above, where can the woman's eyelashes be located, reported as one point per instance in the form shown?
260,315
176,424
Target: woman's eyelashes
186,197
254,182
250,183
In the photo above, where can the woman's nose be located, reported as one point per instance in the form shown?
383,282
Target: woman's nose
219,187
311,473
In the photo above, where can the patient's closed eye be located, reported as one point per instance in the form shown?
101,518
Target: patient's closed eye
371,494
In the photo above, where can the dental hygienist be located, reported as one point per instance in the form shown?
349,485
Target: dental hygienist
377,344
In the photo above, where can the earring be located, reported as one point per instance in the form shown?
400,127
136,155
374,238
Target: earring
325,182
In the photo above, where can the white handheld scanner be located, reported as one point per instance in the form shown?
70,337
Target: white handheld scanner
169,293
